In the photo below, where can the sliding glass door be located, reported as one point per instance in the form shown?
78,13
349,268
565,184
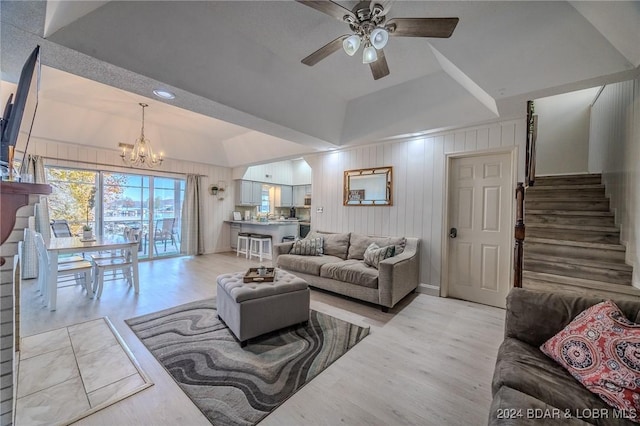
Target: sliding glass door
152,204
125,204
168,195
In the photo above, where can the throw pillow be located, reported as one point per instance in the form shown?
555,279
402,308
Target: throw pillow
374,254
307,247
334,244
601,349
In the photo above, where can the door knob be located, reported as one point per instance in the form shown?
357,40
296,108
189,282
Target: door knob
453,232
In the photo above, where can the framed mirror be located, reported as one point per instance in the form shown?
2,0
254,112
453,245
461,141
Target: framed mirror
368,187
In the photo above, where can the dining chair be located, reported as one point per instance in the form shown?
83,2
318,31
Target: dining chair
124,263
78,271
164,232
60,228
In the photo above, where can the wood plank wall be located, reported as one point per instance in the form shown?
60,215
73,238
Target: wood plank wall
614,151
215,210
8,362
418,186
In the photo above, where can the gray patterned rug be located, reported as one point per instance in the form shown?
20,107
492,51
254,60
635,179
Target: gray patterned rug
240,386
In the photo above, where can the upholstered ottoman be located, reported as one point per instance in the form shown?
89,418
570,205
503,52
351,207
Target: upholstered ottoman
252,309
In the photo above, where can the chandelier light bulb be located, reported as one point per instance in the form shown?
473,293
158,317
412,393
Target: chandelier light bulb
369,55
379,38
351,44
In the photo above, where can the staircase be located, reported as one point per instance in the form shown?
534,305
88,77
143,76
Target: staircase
572,243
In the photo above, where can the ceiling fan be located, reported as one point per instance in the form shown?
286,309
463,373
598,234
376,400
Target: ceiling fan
368,21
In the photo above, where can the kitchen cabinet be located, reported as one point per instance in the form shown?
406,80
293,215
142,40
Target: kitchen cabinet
283,196
248,193
256,193
300,192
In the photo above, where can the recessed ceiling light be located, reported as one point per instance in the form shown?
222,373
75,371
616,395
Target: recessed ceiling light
164,94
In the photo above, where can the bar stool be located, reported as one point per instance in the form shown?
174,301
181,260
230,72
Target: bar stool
243,237
257,246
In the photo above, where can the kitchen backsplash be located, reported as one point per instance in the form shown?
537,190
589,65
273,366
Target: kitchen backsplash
301,213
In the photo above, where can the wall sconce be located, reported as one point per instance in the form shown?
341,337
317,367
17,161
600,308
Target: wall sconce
213,189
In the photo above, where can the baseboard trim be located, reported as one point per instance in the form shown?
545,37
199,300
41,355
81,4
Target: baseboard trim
431,290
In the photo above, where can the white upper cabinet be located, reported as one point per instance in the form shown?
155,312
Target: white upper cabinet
248,193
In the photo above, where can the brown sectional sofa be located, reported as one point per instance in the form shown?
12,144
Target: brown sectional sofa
341,268
529,387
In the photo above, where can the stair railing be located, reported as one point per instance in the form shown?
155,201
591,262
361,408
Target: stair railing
532,136
519,236
530,177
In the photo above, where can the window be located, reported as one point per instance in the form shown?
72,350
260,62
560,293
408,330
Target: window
152,204
264,199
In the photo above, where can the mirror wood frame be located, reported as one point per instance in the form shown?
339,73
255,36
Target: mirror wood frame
356,182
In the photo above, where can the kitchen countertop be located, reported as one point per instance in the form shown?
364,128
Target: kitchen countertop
271,222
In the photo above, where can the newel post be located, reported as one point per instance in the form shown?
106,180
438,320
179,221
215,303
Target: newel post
519,236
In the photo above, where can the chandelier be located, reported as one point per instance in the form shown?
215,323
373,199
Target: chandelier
141,154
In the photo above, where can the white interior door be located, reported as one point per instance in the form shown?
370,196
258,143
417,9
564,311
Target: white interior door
479,219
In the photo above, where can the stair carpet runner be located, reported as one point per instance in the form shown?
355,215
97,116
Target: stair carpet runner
572,241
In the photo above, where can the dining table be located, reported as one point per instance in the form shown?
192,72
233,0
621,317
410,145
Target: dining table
68,245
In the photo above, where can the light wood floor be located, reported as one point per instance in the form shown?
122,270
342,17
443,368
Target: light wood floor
429,361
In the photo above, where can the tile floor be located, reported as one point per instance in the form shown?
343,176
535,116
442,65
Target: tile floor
70,372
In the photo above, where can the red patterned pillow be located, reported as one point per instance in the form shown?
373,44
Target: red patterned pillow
601,349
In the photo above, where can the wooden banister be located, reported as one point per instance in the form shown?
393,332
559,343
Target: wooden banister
532,135
519,236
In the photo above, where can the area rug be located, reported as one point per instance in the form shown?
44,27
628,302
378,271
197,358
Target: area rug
240,386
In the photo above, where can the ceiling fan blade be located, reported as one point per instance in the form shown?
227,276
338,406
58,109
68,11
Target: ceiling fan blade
421,27
324,51
330,8
379,68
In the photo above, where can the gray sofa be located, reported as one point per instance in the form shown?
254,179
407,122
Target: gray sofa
526,383
341,268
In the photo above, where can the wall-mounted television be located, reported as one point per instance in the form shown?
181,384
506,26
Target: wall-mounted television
20,110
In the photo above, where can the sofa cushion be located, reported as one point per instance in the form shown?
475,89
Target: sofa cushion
308,247
305,264
526,307
334,244
601,349
359,243
526,369
351,271
375,254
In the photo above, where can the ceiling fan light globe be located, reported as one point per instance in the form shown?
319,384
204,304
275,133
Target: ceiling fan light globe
369,55
379,38
351,44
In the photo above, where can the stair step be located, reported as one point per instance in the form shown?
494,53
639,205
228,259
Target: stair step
566,195
566,269
538,187
577,179
570,212
564,204
572,227
582,287
575,249
531,219
567,192
576,261
575,235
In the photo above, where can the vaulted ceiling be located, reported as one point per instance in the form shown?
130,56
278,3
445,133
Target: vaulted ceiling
243,97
